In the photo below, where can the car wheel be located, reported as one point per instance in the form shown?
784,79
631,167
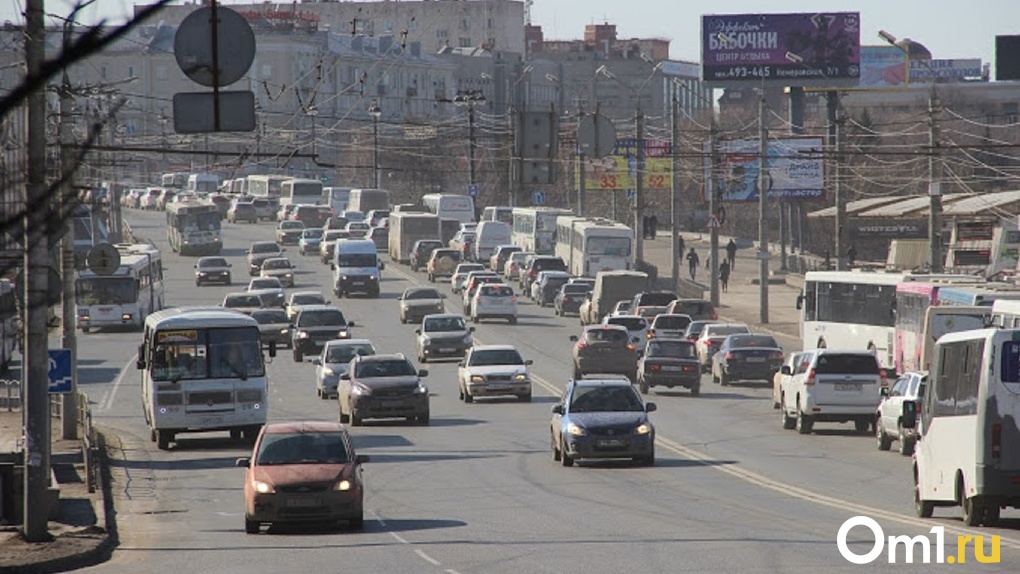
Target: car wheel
424,419
696,390
298,355
555,450
512,319
577,372
991,517
468,398
235,434
432,278
723,379
648,460
643,385
251,526
474,318
973,511
565,459
906,444
358,522
423,359
803,422
163,439
525,398
862,426
344,417
923,508
324,395
882,440
355,420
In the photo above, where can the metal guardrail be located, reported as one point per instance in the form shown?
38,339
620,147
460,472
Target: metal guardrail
10,395
87,434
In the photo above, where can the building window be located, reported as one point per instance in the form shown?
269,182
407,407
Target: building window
465,24
387,26
442,34
161,73
131,71
465,42
490,24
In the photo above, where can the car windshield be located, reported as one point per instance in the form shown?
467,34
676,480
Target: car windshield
270,317
451,253
490,357
303,448
308,299
753,341
421,294
659,299
605,399
357,260
723,330
267,283
631,323
276,264
265,248
675,322
831,363
315,233
387,368
444,324
675,349
242,301
215,262
292,225
606,335
497,291
330,318
344,353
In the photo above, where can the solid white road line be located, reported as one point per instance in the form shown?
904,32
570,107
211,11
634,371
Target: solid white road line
108,402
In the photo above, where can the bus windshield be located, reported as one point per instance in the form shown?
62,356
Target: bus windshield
619,246
106,291
207,353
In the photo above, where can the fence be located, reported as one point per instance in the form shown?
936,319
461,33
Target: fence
89,444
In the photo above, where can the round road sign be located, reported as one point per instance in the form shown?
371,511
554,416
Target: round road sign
103,259
234,50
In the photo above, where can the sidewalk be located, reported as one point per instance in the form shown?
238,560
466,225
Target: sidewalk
741,302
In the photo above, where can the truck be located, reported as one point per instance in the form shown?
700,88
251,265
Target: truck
406,228
365,200
610,287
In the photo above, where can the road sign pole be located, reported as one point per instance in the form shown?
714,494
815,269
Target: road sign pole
713,233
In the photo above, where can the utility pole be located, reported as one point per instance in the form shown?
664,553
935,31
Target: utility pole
639,196
471,142
713,208
674,192
35,371
582,183
832,101
935,184
763,185
69,336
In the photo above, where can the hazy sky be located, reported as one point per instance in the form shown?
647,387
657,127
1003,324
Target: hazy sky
949,28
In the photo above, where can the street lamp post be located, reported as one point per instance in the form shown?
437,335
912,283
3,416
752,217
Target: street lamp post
375,112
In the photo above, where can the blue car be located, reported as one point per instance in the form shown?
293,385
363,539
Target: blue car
602,419
310,240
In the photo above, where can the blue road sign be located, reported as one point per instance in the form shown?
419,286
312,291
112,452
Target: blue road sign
472,190
631,194
60,371
538,198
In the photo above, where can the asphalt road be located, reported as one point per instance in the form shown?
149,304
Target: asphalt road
477,490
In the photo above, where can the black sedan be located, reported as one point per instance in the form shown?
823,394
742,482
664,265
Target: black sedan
746,357
274,326
669,363
570,297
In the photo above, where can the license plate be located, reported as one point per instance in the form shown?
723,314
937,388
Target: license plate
303,502
497,387
447,350
210,421
673,368
849,387
611,443
756,359
104,311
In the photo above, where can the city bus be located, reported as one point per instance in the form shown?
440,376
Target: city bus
365,200
534,228
450,206
983,295
194,228
124,298
853,310
266,185
591,245
913,298
176,180
943,320
336,198
203,182
301,192
9,323
498,213
1006,313
202,370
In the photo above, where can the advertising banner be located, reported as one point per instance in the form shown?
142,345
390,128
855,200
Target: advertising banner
618,171
781,49
926,70
796,170
882,67
888,228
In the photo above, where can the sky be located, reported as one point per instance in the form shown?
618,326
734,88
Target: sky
949,28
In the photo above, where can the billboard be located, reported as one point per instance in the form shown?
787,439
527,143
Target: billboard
926,70
796,169
759,49
882,67
1007,58
618,171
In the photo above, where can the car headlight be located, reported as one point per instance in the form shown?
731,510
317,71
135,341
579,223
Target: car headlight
426,341
288,274
372,277
467,338
643,428
360,390
201,273
302,334
343,278
576,430
329,371
284,331
343,485
477,379
263,487
344,334
422,389
520,377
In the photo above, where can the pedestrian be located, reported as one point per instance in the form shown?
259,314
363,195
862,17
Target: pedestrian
731,253
724,275
681,248
653,225
851,256
692,261
827,257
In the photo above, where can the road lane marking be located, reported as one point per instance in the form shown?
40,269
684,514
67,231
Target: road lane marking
108,402
427,558
398,537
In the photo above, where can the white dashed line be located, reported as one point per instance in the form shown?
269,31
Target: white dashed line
427,558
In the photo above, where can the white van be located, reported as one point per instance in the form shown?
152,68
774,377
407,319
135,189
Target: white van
337,197
498,213
356,267
203,182
968,446
488,236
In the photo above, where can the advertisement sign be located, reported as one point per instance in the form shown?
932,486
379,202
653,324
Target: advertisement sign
618,171
796,170
926,70
888,228
781,49
882,67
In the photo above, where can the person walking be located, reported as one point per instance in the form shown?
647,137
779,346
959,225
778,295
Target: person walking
851,256
731,253
653,226
681,248
724,276
692,262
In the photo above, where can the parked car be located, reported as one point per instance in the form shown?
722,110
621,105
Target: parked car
669,326
299,299
602,419
316,324
604,349
746,357
836,386
383,386
274,326
697,309
442,263
494,301
290,456
417,302
499,257
310,240
421,250
910,386
213,269
333,361
570,297
460,274
242,211
711,339
243,302
289,232
443,335
493,371
259,252
669,363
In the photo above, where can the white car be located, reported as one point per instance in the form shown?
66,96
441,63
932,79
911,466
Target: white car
711,339
837,385
512,267
461,273
279,267
909,387
358,229
636,325
494,301
493,370
794,365
332,362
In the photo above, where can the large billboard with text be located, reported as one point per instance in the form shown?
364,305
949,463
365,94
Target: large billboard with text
618,171
821,49
796,170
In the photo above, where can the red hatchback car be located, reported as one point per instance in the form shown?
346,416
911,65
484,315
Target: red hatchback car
303,472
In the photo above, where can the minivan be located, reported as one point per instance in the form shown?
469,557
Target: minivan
356,267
